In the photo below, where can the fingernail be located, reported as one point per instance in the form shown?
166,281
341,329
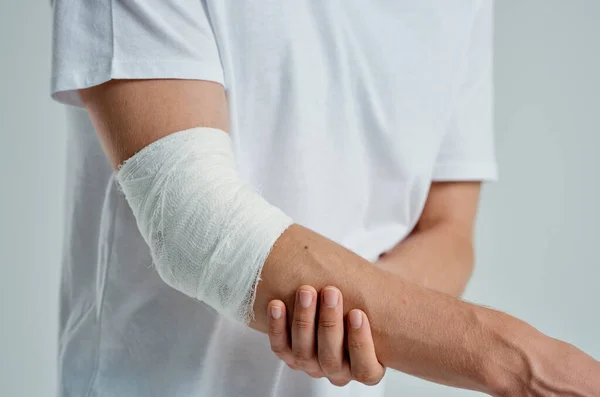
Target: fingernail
330,297
356,319
276,312
305,298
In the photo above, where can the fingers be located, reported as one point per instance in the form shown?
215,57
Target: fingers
331,337
322,353
364,366
278,332
303,331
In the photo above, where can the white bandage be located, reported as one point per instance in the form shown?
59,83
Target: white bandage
209,233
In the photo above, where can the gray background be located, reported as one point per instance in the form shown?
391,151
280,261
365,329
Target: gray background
538,232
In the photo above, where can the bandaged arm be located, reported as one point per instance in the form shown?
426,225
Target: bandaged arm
415,330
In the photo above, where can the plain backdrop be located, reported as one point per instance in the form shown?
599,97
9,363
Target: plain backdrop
537,237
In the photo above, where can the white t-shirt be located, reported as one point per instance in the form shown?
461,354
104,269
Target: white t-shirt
342,114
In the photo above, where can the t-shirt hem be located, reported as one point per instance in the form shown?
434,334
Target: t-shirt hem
65,86
465,172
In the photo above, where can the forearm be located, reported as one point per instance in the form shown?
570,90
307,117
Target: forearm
436,258
415,330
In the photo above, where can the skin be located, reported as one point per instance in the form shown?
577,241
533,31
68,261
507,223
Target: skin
446,223
329,358
433,335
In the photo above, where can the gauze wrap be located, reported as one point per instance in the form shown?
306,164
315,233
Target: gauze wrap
208,232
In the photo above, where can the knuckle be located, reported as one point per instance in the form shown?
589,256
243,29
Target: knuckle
276,331
292,365
355,345
315,374
328,324
339,382
330,363
366,377
302,358
278,349
302,323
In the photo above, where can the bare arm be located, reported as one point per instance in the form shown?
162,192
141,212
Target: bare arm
128,115
438,253
415,330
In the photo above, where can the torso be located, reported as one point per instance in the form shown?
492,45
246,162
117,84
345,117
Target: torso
338,111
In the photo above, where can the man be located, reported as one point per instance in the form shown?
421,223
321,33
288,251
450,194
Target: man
367,124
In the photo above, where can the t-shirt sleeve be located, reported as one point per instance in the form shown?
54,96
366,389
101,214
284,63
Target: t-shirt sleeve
467,149
96,41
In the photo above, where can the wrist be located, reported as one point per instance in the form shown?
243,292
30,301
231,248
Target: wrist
507,367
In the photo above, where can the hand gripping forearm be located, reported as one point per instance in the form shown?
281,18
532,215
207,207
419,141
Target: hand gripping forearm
417,331
426,333
210,235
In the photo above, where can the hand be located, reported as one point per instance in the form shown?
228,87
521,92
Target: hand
321,353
